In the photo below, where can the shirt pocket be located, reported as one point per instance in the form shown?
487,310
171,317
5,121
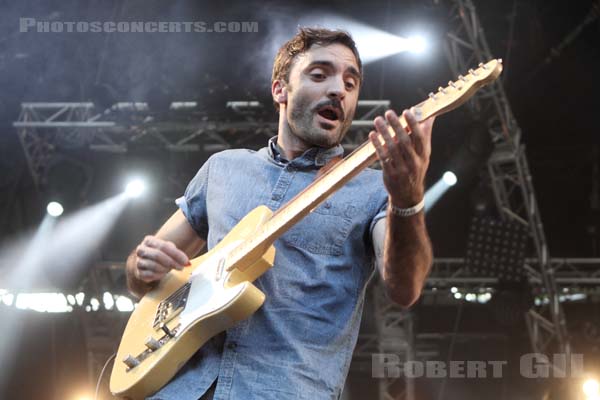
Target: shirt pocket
324,230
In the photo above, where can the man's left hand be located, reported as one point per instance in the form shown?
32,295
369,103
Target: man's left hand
404,158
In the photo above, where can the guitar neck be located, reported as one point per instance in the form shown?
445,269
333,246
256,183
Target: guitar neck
317,192
308,199
446,99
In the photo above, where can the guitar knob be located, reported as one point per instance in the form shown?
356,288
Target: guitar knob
152,343
131,361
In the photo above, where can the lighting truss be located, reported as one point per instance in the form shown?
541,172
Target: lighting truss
466,45
44,128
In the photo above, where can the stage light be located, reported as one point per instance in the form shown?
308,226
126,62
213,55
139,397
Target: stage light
124,304
496,248
135,188
449,178
484,297
94,303
373,44
591,388
416,44
55,209
435,192
43,302
6,297
108,301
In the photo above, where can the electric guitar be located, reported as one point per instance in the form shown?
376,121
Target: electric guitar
188,307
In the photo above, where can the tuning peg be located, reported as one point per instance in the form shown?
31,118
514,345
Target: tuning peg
499,61
452,84
472,72
462,78
432,96
441,89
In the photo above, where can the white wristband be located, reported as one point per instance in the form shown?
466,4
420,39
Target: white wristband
407,212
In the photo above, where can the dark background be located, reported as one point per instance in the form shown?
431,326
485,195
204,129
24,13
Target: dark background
553,95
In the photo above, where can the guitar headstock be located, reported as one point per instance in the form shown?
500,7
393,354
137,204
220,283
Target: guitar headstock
459,91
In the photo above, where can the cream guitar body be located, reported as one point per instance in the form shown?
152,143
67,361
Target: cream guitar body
188,308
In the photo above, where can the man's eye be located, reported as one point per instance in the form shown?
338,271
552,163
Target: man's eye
318,76
350,85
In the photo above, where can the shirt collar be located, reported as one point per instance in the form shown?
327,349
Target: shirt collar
318,156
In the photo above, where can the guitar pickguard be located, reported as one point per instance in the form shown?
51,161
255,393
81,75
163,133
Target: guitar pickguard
207,293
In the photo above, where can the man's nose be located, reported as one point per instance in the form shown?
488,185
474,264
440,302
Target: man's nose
336,89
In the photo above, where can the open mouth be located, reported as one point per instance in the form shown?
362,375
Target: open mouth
329,113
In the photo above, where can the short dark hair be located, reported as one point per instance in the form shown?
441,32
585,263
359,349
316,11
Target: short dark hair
303,41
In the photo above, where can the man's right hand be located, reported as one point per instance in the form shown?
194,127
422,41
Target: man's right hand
155,257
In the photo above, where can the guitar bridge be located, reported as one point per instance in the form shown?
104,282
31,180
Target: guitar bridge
151,346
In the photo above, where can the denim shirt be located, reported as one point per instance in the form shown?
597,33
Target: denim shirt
299,344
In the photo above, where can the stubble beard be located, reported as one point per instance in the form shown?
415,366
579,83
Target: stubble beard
301,122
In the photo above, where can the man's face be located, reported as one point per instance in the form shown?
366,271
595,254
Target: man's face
322,94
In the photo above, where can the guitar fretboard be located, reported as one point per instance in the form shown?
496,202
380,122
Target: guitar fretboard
307,200
446,99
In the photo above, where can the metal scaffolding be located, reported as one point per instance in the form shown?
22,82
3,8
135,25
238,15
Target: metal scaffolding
395,336
572,275
44,129
465,47
508,169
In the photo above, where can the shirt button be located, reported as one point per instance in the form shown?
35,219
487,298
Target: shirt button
327,205
276,197
232,345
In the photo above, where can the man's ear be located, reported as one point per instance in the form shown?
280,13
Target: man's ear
279,91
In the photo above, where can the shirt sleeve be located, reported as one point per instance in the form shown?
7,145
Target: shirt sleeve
381,213
193,203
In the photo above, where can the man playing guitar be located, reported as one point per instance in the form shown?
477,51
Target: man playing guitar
299,343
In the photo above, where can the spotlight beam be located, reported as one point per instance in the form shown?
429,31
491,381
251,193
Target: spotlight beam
373,44
60,248
135,188
24,274
435,192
